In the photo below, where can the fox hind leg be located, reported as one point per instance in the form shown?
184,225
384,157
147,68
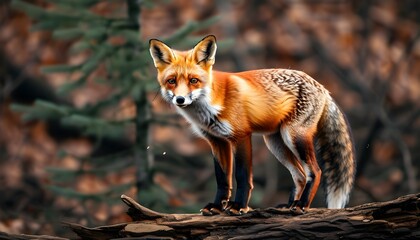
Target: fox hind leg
284,155
302,146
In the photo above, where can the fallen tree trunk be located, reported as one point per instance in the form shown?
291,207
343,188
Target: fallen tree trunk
397,219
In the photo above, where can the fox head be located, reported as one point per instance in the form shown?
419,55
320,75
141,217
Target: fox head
184,76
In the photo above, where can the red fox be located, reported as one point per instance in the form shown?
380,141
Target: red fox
296,115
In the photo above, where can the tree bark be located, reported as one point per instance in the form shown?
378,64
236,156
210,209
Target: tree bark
397,219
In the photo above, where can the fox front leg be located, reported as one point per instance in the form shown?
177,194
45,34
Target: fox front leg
223,162
243,174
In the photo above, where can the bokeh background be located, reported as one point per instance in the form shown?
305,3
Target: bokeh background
82,122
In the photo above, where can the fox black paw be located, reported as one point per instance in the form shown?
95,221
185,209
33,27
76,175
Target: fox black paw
296,208
211,209
234,209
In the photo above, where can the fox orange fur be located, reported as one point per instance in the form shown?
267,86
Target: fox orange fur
296,115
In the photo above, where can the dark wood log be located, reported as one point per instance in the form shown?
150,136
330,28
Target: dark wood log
397,219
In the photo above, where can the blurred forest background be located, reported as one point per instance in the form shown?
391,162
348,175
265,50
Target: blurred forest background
82,121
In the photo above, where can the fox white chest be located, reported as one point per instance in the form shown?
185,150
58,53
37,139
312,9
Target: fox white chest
204,117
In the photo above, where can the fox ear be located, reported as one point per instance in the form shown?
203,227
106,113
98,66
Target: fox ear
205,50
161,53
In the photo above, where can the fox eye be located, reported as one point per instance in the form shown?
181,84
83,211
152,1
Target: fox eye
171,81
193,80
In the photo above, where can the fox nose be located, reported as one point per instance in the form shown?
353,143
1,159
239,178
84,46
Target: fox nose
180,100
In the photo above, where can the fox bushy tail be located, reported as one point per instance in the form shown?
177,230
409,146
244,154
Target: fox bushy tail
336,155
